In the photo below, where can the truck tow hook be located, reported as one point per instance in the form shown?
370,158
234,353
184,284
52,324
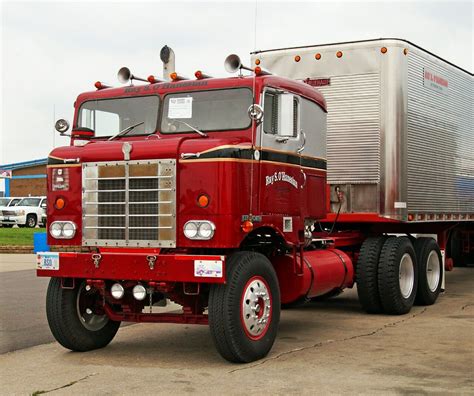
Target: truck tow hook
151,261
96,259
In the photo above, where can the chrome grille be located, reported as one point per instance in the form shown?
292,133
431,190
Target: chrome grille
129,203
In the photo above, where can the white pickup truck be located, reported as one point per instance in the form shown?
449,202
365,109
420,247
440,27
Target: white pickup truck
29,212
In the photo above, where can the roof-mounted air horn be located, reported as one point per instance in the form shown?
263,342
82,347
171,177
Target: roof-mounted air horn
124,75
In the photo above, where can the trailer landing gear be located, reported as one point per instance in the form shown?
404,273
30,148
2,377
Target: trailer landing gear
75,318
244,313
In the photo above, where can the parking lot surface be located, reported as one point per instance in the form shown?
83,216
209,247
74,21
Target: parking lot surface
329,347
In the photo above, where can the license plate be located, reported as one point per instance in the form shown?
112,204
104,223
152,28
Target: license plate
47,261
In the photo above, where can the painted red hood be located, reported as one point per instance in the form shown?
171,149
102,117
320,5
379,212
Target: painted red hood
151,148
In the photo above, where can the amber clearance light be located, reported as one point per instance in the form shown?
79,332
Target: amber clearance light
59,203
203,201
339,54
247,226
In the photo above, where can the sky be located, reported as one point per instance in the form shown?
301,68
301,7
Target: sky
53,51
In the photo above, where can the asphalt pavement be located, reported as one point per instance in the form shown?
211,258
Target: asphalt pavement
322,348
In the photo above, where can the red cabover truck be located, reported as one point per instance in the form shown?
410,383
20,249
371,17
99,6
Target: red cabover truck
215,193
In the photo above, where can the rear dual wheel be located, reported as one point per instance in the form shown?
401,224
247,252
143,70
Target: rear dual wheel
245,312
392,274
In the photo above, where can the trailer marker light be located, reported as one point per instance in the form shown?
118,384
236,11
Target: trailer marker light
257,61
60,203
247,226
117,291
203,200
139,292
339,54
383,50
317,56
297,58
405,51
410,217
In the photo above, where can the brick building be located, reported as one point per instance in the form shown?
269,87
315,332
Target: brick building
28,178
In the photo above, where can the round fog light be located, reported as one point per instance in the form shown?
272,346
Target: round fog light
139,292
190,229
117,291
69,230
205,230
56,230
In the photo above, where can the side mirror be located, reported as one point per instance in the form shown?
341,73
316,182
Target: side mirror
61,126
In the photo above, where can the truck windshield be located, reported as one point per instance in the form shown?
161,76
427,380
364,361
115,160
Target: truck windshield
106,117
29,202
217,110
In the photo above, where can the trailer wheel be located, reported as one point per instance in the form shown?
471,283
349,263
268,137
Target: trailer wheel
72,319
430,271
366,274
244,313
397,276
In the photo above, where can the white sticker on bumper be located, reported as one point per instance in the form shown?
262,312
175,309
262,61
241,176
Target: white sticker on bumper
208,268
47,261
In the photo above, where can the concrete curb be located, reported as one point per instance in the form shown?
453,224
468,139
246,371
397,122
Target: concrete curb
16,249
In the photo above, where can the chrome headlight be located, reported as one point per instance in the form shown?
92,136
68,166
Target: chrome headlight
199,229
62,229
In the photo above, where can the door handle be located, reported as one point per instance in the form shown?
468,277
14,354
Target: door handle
190,155
304,178
281,139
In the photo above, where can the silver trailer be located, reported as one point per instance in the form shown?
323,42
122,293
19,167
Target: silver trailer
400,139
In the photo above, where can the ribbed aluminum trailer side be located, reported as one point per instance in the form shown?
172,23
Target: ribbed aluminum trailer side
400,126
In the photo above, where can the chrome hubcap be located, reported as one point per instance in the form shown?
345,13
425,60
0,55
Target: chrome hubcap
433,270
406,275
256,307
84,304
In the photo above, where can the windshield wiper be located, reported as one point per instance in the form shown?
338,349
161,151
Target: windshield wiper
191,127
125,131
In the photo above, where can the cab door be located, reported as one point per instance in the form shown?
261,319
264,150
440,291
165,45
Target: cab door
281,179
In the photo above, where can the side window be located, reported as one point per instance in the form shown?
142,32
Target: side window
282,116
270,120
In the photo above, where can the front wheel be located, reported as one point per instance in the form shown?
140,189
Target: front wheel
75,317
244,313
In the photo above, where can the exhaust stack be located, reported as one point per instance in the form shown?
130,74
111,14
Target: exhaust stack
168,59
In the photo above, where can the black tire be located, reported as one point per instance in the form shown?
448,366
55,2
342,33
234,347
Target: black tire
226,308
395,252
367,274
31,221
428,255
64,321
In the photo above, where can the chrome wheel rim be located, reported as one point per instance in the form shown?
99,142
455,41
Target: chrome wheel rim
31,222
85,310
433,270
256,308
406,275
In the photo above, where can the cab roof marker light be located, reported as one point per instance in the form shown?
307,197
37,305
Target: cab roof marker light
176,77
201,76
100,85
260,72
153,80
